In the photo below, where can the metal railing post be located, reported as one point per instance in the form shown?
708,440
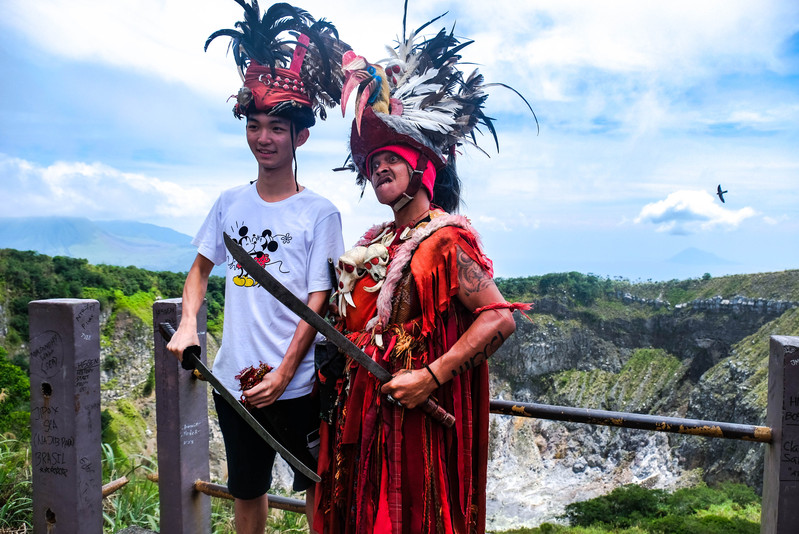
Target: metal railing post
65,416
780,513
183,434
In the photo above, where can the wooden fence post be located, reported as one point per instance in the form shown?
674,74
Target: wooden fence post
780,511
65,416
181,406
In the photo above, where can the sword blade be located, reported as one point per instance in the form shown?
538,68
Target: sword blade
191,354
293,303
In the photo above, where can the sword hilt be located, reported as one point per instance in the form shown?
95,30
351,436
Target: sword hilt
191,353
439,414
431,408
191,357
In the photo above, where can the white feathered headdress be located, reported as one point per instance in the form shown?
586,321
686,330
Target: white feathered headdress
417,96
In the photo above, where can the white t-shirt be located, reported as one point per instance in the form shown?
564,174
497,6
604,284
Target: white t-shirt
293,239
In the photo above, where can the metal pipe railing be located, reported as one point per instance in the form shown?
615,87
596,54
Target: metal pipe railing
656,423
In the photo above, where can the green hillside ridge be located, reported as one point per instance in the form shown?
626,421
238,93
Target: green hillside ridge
585,290
112,242
752,353
27,276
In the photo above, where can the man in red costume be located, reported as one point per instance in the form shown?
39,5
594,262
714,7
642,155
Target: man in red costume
417,295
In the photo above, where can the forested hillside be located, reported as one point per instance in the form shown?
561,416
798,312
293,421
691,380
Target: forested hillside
126,291
692,348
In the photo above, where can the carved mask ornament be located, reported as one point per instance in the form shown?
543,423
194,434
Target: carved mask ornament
376,264
350,269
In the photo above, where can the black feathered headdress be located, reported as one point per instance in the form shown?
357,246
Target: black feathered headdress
289,62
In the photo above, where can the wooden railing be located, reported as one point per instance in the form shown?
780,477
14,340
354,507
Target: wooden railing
65,427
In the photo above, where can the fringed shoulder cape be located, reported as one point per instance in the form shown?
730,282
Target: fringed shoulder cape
386,469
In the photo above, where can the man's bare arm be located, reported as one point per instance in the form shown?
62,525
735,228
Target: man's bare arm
486,334
194,290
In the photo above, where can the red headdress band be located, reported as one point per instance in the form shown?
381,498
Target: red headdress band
411,155
270,87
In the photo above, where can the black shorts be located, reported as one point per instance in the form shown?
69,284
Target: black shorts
293,422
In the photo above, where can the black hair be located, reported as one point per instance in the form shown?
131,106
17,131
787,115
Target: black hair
300,116
447,188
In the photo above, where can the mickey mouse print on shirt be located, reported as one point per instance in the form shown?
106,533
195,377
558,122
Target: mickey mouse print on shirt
261,246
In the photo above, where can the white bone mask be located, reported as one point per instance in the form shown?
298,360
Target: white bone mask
350,269
375,262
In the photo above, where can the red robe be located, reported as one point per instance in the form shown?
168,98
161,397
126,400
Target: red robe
386,469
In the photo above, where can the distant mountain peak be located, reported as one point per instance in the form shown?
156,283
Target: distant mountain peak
120,243
695,256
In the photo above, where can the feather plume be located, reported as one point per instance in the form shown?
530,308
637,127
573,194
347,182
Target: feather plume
437,101
272,39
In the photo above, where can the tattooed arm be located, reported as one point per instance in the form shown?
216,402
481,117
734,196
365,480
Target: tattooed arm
489,330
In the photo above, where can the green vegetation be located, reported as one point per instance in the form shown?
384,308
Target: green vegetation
587,289
134,504
645,381
124,428
27,276
16,489
575,287
123,292
752,352
15,394
631,509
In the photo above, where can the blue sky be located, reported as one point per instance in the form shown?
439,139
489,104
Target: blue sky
111,110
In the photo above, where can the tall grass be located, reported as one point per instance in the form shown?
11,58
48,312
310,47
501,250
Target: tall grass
222,517
279,521
16,490
136,503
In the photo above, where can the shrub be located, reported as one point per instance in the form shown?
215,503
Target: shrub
623,507
15,396
708,524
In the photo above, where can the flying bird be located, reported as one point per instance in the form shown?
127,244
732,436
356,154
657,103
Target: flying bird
720,193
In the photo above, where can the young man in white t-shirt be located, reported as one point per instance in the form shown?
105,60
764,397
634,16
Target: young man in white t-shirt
292,232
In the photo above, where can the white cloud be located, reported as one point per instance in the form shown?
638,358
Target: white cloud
620,61
92,189
670,40
160,38
633,35
688,212
165,38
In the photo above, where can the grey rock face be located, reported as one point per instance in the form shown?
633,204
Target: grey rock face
536,467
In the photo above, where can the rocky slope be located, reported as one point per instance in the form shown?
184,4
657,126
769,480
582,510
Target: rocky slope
702,359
